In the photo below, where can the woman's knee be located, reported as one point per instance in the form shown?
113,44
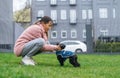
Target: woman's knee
40,42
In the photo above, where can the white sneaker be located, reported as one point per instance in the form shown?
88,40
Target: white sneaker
32,60
28,61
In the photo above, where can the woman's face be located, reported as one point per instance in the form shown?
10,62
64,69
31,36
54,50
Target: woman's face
47,26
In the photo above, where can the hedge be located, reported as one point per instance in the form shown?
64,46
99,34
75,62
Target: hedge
107,47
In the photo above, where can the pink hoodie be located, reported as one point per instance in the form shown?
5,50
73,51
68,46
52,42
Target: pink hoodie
31,33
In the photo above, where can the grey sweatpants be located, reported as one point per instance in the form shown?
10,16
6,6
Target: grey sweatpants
33,47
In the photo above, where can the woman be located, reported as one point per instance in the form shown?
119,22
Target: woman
34,41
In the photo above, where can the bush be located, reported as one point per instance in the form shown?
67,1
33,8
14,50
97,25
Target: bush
107,47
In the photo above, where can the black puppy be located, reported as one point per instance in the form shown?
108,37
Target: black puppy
63,55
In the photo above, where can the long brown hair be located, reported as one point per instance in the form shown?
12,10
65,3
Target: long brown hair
44,19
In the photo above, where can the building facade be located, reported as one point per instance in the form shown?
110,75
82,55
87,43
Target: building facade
71,16
6,26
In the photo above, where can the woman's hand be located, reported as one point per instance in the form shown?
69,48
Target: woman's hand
58,48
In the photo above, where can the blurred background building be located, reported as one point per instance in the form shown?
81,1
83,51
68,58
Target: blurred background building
6,25
71,16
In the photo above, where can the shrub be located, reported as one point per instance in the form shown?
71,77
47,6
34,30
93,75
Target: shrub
107,47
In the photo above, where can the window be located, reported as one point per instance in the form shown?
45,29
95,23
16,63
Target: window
86,0
73,16
5,46
63,0
90,14
40,0
73,33
87,14
72,2
40,14
103,32
64,34
54,34
84,14
54,16
53,2
114,13
84,33
103,13
63,15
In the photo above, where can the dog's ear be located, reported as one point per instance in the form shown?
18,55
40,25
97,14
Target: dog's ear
57,43
62,46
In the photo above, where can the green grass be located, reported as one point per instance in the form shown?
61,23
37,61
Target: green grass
92,66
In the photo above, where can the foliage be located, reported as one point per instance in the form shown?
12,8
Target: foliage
107,46
23,15
92,66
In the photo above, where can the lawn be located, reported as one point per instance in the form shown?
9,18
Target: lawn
92,66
